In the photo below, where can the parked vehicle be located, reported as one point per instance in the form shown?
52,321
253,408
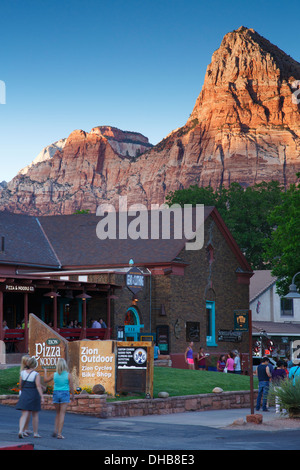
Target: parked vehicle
256,360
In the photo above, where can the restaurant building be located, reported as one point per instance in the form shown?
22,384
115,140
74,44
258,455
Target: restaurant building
184,295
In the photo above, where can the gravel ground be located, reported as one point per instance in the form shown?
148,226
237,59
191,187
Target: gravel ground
276,424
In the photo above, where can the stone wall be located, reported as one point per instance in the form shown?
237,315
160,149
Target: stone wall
98,406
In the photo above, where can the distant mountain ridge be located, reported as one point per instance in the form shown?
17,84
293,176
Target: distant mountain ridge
244,127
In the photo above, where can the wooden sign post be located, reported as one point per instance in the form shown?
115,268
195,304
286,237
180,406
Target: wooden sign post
243,322
92,363
117,366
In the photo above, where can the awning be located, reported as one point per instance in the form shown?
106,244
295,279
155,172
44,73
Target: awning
275,328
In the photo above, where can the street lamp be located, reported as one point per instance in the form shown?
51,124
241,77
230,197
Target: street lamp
293,294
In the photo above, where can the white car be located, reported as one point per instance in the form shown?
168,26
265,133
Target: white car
256,360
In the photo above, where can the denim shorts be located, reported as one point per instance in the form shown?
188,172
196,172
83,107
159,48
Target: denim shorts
61,396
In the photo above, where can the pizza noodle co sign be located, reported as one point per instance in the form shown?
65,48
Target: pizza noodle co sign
45,344
47,353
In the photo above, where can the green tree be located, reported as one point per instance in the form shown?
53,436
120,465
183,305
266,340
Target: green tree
245,212
193,195
247,218
282,249
81,211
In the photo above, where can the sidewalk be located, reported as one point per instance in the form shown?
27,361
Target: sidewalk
233,418
194,430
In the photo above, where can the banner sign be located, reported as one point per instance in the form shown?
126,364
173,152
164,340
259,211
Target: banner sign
135,280
241,322
18,288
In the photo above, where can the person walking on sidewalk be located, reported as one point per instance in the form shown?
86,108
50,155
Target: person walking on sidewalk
264,376
63,386
24,362
30,398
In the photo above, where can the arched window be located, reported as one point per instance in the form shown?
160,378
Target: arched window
131,317
132,324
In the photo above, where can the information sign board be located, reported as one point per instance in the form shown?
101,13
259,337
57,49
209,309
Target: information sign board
230,336
135,364
135,280
241,322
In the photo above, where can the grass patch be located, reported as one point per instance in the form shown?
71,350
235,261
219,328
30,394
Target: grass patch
180,382
177,382
9,379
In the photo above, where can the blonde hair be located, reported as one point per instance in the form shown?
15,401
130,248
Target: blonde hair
31,363
61,366
24,362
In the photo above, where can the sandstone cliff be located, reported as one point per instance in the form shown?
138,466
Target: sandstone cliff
79,175
244,127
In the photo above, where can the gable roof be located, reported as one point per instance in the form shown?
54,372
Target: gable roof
260,282
69,241
24,242
75,242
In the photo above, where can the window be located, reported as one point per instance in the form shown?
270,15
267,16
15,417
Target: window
210,324
131,317
286,307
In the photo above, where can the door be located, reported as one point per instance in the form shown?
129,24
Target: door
132,325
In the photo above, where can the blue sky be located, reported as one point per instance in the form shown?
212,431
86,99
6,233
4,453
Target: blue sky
137,65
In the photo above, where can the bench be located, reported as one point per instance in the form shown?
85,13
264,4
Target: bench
71,334
96,333
75,334
12,337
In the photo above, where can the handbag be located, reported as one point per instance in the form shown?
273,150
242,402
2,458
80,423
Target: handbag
225,370
293,375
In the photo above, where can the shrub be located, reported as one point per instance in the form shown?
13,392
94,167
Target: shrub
288,396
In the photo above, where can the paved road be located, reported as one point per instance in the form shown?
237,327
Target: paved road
184,431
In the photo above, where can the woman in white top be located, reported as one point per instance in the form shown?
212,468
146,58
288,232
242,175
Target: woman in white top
30,398
237,362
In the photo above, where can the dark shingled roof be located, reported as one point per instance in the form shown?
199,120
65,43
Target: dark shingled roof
25,242
71,241
75,242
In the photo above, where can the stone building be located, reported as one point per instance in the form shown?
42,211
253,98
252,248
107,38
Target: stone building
188,295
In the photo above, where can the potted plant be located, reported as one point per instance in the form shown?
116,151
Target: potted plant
288,397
